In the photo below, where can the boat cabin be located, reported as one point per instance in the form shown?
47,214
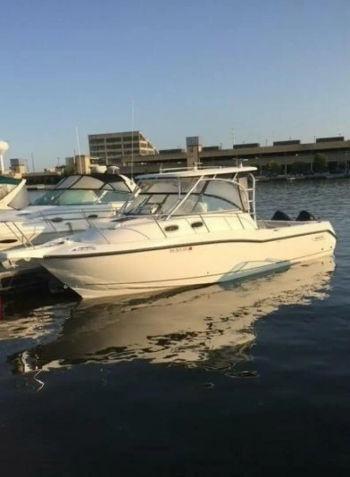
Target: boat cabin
195,191
88,190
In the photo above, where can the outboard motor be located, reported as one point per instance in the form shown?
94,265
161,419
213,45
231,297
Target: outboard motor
279,215
305,216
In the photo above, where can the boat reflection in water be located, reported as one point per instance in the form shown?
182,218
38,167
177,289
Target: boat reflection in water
209,327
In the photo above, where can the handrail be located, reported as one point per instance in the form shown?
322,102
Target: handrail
249,191
21,237
203,179
199,167
183,199
17,227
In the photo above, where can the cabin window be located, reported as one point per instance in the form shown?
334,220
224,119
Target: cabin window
118,186
67,182
72,197
212,196
107,196
84,190
87,182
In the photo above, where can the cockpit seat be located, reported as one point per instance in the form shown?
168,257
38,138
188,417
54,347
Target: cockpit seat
201,207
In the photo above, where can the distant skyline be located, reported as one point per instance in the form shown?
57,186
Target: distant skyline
258,71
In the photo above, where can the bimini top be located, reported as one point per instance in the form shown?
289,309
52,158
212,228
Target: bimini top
196,172
83,189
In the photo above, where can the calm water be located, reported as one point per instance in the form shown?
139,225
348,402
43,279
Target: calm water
249,379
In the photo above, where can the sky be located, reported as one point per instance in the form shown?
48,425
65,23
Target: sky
226,70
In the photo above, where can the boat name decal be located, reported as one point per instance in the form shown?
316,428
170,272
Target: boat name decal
180,249
83,248
318,237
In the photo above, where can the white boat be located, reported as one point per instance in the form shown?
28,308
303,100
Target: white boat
182,228
67,208
13,194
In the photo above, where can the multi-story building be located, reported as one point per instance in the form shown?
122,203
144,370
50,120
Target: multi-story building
80,164
18,167
111,148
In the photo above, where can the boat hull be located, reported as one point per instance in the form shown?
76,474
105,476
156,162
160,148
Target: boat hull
222,259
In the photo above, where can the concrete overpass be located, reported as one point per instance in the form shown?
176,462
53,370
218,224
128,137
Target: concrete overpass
335,151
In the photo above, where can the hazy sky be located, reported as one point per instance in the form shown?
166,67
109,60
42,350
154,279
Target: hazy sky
265,69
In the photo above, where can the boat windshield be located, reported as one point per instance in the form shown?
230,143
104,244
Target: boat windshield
85,190
164,197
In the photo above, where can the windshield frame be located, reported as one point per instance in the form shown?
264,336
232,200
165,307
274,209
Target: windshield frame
105,187
182,198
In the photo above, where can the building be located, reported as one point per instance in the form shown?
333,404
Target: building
18,167
193,150
70,163
80,164
282,157
111,148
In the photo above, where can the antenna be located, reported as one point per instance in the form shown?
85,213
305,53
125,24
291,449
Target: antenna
78,141
132,140
233,137
33,163
4,146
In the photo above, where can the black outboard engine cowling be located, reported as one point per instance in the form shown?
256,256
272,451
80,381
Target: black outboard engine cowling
279,215
305,216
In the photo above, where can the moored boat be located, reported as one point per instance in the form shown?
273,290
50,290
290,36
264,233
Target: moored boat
182,228
69,207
